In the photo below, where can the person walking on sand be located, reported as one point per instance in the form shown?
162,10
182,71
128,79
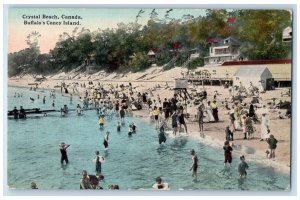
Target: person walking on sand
194,166
200,119
210,117
214,108
63,150
272,141
106,140
242,167
227,153
232,119
249,127
264,130
228,134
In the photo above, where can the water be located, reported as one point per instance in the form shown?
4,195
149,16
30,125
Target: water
131,162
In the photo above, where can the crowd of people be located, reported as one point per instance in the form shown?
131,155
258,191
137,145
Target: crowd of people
121,100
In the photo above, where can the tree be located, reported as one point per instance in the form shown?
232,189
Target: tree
261,31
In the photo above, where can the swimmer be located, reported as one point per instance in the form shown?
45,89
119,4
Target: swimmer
161,137
133,127
63,151
101,121
194,166
227,153
106,140
85,181
99,159
159,185
242,167
119,126
34,186
130,131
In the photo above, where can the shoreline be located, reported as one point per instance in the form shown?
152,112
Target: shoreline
212,138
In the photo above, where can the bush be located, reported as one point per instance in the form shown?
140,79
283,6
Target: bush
139,62
198,62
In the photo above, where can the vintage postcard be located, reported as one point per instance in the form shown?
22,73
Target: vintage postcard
149,98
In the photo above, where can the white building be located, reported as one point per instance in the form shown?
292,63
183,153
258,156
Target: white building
225,50
257,75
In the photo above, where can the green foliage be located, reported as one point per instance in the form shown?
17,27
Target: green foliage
126,47
139,62
261,33
194,64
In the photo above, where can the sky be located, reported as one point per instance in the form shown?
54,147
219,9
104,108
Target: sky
92,18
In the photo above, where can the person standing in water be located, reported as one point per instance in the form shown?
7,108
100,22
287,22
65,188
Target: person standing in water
106,140
194,166
101,121
63,151
227,153
99,159
119,126
272,145
85,181
122,114
174,122
242,167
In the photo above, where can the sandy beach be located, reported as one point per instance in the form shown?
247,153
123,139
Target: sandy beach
254,149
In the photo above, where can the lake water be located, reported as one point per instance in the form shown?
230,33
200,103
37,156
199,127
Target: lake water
131,162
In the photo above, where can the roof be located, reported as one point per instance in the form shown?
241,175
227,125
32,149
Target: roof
257,62
221,47
253,71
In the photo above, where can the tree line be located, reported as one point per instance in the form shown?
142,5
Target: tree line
126,47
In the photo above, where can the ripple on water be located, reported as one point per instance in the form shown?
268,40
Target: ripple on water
131,162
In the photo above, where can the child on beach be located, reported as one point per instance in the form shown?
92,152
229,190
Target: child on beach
227,153
242,167
272,145
228,134
106,140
